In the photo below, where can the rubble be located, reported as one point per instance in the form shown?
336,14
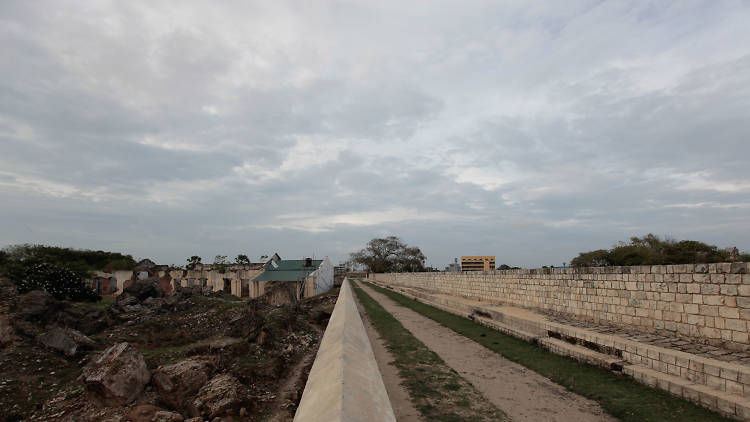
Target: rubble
177,382
116,376
213,356
65,340
223,395
143,289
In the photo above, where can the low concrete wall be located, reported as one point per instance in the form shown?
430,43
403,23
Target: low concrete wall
707,302
344,383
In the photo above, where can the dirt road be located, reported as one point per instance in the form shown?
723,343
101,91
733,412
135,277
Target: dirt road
523,394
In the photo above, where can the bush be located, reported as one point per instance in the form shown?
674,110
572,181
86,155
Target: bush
60,282
651,250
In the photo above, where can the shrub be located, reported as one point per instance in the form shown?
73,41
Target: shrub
60,282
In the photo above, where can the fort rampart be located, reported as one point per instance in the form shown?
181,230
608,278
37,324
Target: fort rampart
707,302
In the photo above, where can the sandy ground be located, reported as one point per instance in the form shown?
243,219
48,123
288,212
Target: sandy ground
523,394
402,405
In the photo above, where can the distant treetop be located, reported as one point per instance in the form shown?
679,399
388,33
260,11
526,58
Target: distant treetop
652,250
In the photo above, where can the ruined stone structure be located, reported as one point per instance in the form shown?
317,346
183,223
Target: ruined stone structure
239,280
706,302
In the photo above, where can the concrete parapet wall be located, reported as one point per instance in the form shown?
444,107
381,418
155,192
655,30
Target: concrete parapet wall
708,302
344,383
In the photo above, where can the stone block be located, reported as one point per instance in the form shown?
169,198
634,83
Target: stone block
743,302
725,406
691,308
710,289
736,324
729,374
729,289
714,300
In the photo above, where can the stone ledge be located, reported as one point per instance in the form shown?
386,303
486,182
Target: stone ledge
344,383
655,366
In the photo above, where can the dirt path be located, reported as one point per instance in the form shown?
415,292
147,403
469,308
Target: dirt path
523,394
402,405
290,391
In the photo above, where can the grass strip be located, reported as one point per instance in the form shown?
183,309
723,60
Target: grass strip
620,396
438,392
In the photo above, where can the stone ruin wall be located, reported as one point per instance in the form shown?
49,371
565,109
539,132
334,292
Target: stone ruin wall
708,302
238,282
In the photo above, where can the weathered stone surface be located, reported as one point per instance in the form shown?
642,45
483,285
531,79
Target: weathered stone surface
246,324
65,340
177,383
143,289
223,393
37,305
143,413
116,376
166,416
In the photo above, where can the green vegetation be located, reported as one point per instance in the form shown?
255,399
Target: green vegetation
79,261
438,392
388,255
59,271
193,262
651,250
618,395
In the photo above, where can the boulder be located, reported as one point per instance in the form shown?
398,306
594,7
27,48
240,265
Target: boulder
222,395
116,376
37,306
177,383
144,289
65,340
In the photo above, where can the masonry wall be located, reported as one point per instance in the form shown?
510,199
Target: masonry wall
707,302
238,282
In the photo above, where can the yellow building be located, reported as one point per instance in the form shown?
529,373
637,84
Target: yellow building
477,263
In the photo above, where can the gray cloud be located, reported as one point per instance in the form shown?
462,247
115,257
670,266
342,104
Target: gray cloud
526,130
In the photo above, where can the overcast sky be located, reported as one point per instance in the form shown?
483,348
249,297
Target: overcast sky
526,130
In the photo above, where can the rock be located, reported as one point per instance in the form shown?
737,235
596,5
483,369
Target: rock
65,340
195,419
177,383
247,324
116,376
166,416
143,413
144,289
37,306
222,395
126,300
154,302
8,299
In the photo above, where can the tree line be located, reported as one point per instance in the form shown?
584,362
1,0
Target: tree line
652,250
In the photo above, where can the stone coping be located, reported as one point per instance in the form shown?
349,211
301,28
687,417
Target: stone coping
345,383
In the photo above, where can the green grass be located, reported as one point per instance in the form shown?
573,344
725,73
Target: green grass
437,391
619,395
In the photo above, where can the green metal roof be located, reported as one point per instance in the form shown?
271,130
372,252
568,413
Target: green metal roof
288,270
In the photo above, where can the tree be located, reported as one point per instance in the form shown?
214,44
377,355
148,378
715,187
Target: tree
388,254
651,250
193,262
242,260
60,282
220,263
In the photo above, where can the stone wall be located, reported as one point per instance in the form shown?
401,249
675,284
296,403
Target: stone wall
708,302
345,384
237,282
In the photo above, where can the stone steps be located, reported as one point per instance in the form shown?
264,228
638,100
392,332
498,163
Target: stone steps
721,386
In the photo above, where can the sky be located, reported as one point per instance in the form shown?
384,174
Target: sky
527,130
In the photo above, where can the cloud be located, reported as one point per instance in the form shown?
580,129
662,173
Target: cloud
528,130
